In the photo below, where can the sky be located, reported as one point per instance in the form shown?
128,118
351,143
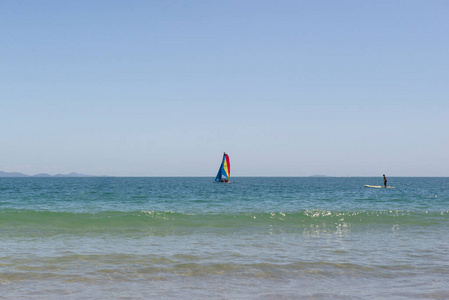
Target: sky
286,88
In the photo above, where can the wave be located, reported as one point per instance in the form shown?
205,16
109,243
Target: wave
130,267
166,222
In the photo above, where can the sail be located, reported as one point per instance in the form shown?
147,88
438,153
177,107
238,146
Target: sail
224,172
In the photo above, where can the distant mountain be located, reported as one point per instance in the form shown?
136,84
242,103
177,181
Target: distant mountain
73,174
16,174
42,175
13,174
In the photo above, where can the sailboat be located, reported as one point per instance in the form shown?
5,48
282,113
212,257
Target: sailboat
224,172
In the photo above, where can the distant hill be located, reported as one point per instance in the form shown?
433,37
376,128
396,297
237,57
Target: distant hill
42,175
16,174
73,174
13,174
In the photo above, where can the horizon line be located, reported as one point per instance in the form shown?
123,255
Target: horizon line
79,175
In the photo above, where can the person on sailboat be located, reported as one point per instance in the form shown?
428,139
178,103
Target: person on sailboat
385,181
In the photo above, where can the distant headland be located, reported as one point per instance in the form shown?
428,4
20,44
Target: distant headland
16,174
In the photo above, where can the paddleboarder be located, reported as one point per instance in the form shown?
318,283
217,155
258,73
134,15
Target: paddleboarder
385,181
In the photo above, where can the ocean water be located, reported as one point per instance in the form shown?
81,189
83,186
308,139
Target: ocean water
257,238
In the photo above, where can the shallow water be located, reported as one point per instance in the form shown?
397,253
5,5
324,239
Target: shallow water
258,238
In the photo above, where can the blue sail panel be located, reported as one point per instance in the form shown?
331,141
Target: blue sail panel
218,178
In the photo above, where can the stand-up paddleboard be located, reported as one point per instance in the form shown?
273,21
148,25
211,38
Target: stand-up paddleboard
379,186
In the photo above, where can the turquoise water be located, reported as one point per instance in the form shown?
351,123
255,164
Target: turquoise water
258,238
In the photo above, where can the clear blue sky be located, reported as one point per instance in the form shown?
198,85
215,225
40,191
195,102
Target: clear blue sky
286,88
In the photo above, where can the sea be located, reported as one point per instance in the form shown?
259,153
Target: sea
255,238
